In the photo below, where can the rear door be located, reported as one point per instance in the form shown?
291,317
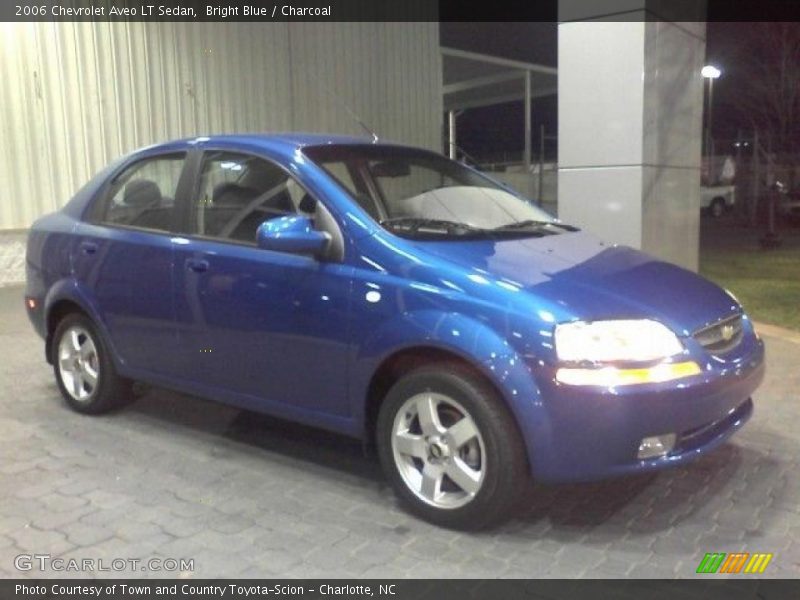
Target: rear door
124,258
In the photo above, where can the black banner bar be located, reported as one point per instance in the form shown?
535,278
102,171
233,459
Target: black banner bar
745,588
218,10
395,10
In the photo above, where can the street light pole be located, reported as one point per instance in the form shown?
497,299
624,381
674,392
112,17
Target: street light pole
709,149
711,73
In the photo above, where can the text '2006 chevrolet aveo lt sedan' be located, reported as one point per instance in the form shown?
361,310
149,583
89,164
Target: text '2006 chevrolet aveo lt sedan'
388,293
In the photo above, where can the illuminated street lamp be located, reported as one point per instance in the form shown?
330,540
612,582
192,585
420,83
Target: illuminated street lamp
710,72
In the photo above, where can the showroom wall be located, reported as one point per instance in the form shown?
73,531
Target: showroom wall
90,92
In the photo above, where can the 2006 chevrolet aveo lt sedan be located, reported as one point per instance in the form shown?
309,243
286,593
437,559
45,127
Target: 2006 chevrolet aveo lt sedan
391,294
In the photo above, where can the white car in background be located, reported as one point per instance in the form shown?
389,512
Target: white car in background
718,199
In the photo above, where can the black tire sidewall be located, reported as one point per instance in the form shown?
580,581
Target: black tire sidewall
506,464
110,391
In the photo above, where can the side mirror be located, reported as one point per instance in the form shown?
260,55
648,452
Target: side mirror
292,233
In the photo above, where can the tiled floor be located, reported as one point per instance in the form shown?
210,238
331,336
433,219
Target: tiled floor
242,495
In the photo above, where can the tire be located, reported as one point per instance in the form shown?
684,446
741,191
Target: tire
470,482
717,208
84,370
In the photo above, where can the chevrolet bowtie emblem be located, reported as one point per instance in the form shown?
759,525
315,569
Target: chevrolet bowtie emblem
727,332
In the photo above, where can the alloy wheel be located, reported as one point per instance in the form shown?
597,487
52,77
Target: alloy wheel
78,363
438,450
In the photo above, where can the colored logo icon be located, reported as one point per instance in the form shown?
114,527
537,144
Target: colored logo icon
736,562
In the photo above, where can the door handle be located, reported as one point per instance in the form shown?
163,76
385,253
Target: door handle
198,265
88,247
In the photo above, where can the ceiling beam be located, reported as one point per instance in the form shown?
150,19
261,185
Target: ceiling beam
456,104
477,82
497,60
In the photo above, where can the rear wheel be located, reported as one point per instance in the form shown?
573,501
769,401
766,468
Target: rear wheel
83,368
450,448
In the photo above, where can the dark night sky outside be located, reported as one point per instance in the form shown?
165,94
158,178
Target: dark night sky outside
487,132
727,44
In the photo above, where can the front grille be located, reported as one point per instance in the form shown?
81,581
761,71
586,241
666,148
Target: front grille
721,337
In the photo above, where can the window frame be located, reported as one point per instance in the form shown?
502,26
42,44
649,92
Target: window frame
188,222
98,208
185,224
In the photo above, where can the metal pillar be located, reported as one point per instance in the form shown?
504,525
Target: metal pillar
709,140
539,195
527,155
451,134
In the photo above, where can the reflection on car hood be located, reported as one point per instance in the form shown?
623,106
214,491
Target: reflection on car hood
592,279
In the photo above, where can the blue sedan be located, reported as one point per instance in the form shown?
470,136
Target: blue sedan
390,294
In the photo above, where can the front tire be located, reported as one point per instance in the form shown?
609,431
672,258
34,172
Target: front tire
84,370
450,448
718,208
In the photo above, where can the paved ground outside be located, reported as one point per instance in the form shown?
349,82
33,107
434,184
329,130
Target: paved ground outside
176,477
12,257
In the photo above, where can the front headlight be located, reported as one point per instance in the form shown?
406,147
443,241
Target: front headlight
614,341
591,349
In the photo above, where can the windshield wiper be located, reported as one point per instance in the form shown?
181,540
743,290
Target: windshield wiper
413,224
532,223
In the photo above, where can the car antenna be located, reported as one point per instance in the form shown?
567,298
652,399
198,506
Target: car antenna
363,125
352,114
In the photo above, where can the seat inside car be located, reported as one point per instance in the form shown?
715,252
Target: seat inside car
147,204
240,207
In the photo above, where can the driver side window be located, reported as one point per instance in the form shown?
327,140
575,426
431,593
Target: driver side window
238,192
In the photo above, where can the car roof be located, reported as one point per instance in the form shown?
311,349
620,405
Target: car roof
283,143
294,139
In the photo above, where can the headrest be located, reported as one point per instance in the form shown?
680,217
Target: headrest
232,194
307,204
260,175
140,193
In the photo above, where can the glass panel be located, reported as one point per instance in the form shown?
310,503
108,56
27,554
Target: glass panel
238,192
144,194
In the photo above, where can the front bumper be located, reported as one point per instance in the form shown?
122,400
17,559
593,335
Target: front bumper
594,432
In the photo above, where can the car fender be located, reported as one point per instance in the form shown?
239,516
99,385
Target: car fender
69,289
472,341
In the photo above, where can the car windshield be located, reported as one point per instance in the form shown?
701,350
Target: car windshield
420,194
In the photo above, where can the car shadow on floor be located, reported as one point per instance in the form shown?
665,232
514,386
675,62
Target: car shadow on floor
269,434
691,497
641,504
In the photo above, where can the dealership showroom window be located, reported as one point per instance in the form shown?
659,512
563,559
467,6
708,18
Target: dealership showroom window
353,302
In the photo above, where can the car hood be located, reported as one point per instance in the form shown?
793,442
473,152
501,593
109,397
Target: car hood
593,280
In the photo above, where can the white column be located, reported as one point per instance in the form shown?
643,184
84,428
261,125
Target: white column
630,101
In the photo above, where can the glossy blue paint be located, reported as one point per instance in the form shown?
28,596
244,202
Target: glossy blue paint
291,234
275,330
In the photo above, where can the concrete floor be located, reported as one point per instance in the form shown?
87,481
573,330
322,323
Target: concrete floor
176,477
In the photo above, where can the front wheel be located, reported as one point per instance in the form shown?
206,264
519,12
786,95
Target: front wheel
83,368
450,448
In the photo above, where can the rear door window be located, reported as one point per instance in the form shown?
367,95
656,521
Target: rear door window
143,195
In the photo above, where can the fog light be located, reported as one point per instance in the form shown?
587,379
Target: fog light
658,445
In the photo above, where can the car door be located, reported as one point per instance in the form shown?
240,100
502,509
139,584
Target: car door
270,327
123,259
